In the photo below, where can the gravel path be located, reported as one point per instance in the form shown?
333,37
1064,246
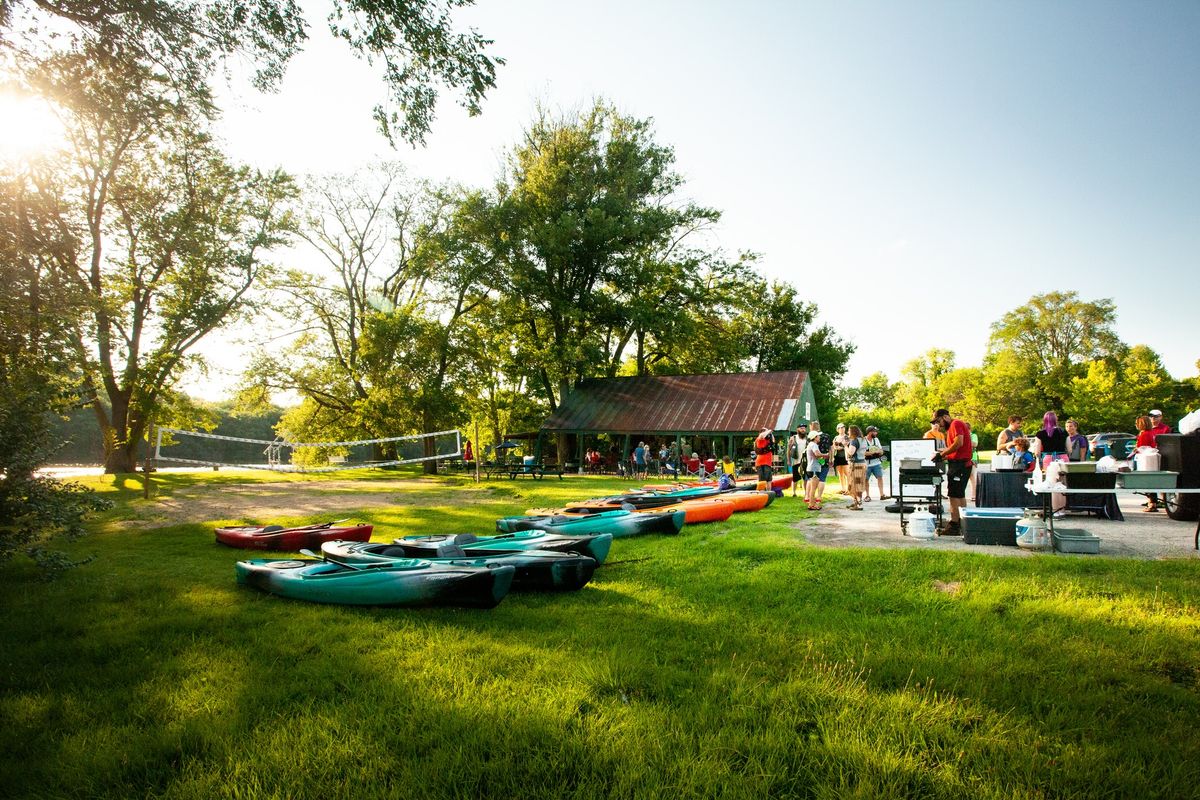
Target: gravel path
1141,535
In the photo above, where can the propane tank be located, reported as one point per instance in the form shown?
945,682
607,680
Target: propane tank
920,525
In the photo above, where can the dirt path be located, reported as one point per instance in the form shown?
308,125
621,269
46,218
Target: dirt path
259,503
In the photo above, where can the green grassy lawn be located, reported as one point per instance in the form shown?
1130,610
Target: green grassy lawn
733,660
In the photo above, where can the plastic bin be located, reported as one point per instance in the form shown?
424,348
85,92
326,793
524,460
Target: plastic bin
1075,540
1078,466
991,525
1157,479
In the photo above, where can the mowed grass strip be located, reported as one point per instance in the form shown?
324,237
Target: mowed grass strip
732,660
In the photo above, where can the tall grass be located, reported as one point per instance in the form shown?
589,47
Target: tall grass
732,660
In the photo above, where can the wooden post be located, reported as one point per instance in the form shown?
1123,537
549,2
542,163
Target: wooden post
477,453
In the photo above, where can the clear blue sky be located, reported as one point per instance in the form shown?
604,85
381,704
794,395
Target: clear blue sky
916,168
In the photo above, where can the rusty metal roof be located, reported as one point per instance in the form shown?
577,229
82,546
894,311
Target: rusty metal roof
727,403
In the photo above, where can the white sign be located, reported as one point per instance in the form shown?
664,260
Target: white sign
912,448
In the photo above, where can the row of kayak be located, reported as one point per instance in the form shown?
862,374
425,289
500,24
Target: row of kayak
545,549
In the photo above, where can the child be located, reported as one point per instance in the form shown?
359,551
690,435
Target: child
1021,455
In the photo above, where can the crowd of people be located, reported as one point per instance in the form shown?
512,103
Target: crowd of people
855,455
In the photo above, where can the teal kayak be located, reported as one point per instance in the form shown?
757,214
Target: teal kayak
620,523
535,569
403,582
593,545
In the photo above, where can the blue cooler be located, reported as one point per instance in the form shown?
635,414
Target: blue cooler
991,525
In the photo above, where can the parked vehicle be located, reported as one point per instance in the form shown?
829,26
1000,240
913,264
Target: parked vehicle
1117,445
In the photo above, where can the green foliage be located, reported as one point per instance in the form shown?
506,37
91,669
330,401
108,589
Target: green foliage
1055,335
414,43
780,336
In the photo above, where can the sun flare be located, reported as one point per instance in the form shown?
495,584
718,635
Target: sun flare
27,126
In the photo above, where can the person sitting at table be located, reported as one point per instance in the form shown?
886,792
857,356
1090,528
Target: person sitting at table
1077,444
1022,458
1004,442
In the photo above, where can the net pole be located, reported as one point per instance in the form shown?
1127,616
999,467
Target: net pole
476,454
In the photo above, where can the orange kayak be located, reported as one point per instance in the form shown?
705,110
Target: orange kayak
706,509
780,482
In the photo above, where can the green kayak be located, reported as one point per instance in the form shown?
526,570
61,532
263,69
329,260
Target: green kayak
593,545
536,569
620,523
402,582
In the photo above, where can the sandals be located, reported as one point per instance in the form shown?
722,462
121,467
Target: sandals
1150,509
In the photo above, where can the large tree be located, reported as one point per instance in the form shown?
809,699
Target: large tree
165,236
592,229
38,309
414,43
1055,335
780,334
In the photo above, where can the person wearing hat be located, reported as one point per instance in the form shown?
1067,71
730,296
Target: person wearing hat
1157,426
818,471
797,454
957,454
874,454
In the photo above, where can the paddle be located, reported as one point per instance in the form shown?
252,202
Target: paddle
328,560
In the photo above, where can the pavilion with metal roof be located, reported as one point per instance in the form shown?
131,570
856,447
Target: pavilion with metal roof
721,408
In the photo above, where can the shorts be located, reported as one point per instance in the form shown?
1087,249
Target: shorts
958,475
840,460
797,472
765,473
821,473
875,471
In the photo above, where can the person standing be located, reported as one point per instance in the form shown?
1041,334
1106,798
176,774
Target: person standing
764,457
818,470
874,456
1006,441
1052,440
1148,438
957,454
797,451
856,455
839,459
1077,443
1157,426
937,434
639,460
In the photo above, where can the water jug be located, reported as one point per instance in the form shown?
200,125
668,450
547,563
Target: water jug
1147,459
920,525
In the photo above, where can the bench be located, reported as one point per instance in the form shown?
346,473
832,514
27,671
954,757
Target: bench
535,471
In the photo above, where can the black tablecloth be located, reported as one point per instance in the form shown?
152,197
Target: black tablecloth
1007,490
1004,490
1104,504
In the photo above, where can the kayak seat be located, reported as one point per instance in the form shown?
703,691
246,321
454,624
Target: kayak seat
272,528
465,538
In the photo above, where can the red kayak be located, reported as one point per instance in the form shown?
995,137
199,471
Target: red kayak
276,537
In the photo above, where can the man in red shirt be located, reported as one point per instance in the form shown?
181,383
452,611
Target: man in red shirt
957,453
1157,426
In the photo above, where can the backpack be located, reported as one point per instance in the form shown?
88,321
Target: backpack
825,442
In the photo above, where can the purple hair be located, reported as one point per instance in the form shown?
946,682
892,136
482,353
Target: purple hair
1049,422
